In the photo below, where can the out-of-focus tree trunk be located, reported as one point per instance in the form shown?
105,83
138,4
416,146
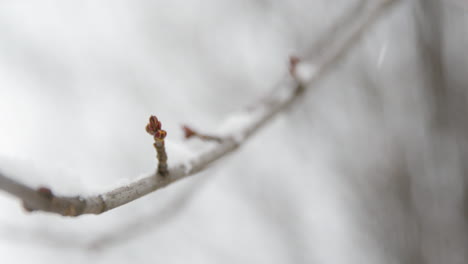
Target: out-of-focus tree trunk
420,213
440,199
405,151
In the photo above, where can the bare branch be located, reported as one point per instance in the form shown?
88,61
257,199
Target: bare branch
143,224
246,124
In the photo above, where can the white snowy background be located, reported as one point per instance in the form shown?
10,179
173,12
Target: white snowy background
78,81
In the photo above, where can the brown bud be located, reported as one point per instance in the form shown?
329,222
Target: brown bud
149,129
45,192
293,61
154,129
153,126
160,134
188,132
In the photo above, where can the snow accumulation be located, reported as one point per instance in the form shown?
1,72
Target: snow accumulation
306,71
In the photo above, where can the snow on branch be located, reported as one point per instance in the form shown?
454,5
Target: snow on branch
242,125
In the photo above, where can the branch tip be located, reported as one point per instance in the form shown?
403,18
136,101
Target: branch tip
188,132
154,128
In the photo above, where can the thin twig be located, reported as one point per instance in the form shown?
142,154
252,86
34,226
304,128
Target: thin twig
190,133
154,128
252,121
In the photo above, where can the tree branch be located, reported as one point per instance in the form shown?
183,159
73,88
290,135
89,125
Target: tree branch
245,124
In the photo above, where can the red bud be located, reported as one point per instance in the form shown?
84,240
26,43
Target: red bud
45,192
153,126
293,61
160,134
188,132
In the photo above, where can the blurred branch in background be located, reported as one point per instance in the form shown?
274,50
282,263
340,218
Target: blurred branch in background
337,29
238,128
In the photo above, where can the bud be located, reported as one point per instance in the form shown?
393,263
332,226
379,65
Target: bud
149,129
153,126
45,192
160,135
188,132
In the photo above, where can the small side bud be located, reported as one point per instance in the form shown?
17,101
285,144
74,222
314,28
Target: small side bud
45,192
160,135
293,61
42,191
188,132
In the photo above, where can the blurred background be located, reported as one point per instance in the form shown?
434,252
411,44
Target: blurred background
373,169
